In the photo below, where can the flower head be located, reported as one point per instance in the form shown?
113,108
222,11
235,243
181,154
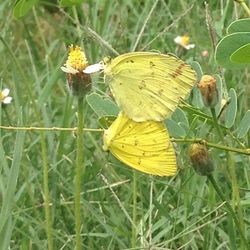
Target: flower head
184,42
201,159
78,81
209,91
76,61
4,96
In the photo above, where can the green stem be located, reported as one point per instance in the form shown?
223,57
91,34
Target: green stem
245,7
213,145
229,208
235,190
79,172
134,187
46,192
217,126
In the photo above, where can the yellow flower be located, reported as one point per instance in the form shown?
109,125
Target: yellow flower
79,82
76,61
184,42
4,98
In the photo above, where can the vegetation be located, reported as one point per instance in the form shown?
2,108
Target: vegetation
43,165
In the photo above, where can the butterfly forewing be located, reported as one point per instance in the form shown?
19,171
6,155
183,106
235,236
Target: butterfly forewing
149,86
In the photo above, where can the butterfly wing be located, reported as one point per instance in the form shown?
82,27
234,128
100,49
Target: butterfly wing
148,86
144,146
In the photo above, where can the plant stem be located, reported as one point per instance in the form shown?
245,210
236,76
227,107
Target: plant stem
46,192
134,188
245,7
216,124
213,145
79,172
229,208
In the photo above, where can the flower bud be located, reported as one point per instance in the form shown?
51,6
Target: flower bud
209,91
79,83
200,159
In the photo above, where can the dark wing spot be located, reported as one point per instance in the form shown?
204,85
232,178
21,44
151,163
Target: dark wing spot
142,84
139,161
178,71
151,64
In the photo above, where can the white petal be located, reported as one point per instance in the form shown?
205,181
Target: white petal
93,68
5,92
178,40
189,46
69,70
7,100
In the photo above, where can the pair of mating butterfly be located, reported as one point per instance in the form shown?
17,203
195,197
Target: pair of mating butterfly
147,87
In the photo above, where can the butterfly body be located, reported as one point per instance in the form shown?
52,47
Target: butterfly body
148,86
144,146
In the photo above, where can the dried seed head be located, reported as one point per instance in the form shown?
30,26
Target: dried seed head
200,159
209,91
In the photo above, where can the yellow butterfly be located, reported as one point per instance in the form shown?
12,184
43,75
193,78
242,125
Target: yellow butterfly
148,86
144,146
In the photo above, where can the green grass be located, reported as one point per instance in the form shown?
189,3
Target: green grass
120,208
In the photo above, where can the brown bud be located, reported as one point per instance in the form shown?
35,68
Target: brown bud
200,159
209,91
79,84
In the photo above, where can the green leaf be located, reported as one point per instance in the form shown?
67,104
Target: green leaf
11,181
241,55
197,67
22,7
244,125
102,106
242,25
231,111
229,45
106,121
70,3
175,129
196,98
219,88
181,118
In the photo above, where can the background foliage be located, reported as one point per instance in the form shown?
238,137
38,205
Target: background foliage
121,209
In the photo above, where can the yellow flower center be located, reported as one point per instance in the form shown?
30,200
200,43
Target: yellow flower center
76,59
2,96
185,40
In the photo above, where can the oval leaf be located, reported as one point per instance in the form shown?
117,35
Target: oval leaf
22,7
242,25
180,116
219,88
241,55
175,129
229,45
244,125
102,106
231,111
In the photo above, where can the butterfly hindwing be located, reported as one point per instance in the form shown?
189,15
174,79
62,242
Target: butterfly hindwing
144,146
